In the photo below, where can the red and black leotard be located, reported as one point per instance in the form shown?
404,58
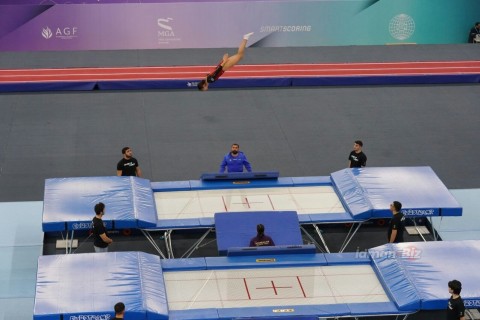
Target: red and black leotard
212,77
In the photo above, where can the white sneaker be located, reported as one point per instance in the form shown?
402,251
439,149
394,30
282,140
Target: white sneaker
247,35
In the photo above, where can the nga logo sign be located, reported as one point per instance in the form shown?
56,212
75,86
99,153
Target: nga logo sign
166,33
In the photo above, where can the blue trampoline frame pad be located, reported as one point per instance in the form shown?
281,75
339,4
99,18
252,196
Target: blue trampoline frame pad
414,277
69,202
364,193
86,285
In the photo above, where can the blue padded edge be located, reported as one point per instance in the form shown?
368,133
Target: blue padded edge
287,260
47,86
168,224
183,264
225,184
324,310
351,194
255,251
379,80
194,314
171,186
342,217
394,277
368,192
430,265
207,222
304,219
252,82
64,285
254,175
68,202
312,181
374,308
145,210
153,286
361,257
419,189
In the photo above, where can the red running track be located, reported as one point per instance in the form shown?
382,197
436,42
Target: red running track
241,71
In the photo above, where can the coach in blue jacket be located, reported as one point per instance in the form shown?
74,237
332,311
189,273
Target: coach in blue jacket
235,160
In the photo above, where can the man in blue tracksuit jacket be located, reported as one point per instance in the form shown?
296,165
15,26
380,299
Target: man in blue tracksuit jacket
235,160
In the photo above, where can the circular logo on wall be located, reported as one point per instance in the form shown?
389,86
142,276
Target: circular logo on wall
401,26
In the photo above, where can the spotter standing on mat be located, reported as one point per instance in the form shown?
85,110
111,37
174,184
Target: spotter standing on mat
226,63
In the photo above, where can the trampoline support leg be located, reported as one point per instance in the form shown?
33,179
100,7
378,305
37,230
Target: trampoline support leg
152,241
196,245
349,237
312,239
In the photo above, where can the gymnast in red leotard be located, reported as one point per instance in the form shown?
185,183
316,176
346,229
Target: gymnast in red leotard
226,63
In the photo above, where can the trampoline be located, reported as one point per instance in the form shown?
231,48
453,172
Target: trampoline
393,279
346,196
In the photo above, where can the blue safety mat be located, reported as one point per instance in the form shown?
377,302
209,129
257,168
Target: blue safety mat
242,83
69,203
89,285
422,270
368,192
235,229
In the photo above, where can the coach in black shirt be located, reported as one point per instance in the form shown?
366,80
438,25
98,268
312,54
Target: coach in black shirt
397,224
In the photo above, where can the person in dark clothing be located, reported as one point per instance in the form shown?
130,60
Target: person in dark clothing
128,166
261,239
456,307
235,160
226,63
474,33
100,234
119,310
397,223
356,158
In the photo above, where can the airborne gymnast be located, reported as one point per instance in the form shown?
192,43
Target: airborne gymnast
226,63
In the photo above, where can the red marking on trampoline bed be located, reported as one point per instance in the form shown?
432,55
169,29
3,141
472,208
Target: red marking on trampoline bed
224,204
271,203
301,287
246,201
246,288
274,287
241,71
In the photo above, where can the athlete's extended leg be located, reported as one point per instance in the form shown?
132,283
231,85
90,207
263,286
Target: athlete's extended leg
233,60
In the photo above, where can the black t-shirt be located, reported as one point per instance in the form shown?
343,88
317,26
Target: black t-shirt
455,309
397,223
98,229
128,167
357,160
